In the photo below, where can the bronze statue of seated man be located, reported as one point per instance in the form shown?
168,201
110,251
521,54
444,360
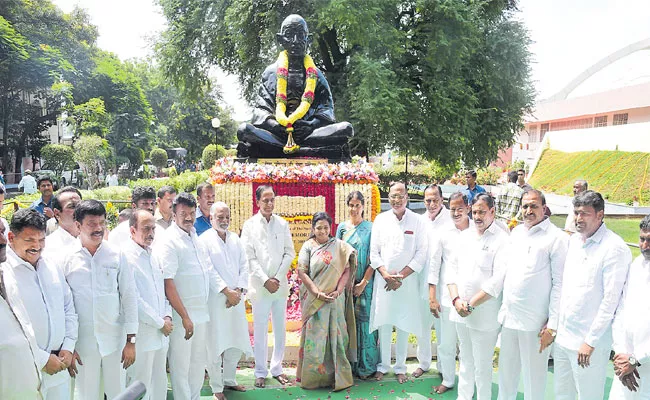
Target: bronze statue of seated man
294,110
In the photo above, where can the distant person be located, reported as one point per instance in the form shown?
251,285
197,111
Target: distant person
578,187
2,177
193,166
44,204
111,178
521,180
205,198
28,183
163,214
508,199
3,192
472,188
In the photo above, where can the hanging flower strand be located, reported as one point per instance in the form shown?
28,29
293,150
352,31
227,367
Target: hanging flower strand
307,99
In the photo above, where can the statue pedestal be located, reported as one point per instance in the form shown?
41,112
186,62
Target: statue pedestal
302,187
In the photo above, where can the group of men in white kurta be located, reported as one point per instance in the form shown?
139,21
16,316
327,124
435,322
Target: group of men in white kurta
537,287
109,312
76,302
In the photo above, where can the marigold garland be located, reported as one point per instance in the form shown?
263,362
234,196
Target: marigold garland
307,99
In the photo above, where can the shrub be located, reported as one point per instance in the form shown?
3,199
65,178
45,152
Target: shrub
211,153
158,158
170,172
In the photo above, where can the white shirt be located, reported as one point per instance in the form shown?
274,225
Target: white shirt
184,259
111,180
479,265
57,246
120,235
440,227
631,327
105,295
395,244
29,183
533,281
19,373
48,302
594,275
228,258
269,249
570,223
442,250
153,306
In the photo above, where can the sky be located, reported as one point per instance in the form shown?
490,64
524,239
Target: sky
568,37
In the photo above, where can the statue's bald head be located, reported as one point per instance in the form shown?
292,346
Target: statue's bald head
294,36
294,20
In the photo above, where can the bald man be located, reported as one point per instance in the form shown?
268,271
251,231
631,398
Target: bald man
225,346
154,311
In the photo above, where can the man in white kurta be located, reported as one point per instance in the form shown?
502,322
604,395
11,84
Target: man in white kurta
47,298
398,251
142,198
57,243
596,266
154,311
270,251
531,300
19,373
570,224
631,328
105,298
475,280
189,278
438,220
227,309
441,251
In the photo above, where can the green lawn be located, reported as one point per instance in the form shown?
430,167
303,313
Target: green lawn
627,228
621,177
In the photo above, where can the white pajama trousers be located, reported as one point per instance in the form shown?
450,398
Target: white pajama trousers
447,339
150,368
620,392
58,392
385,339
519,355
262,309
424,339
226,377
571,379
99,375
187,361
476,353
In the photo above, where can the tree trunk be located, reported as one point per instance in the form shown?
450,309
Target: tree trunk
5,134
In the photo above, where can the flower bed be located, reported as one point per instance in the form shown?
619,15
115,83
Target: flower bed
301,190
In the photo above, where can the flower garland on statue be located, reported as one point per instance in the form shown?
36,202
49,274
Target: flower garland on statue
282,74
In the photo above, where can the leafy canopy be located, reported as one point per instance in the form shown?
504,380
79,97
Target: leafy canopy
445,79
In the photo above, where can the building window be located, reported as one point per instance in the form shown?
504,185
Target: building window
542,131
620,119
600,122
532,134
572,124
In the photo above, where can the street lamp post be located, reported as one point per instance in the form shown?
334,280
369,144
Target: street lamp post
216,124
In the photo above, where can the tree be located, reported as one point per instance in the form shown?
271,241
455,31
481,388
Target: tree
445,79
211,153
58,157
158,158
93,154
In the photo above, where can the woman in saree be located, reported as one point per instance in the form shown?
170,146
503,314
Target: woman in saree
356,231
328,337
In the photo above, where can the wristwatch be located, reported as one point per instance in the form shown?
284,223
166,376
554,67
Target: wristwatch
131,339
551,332
633,361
